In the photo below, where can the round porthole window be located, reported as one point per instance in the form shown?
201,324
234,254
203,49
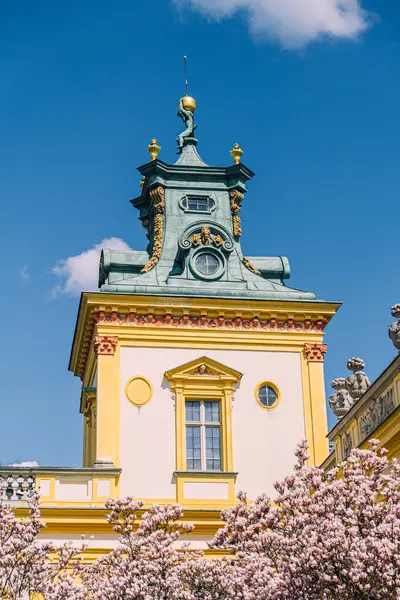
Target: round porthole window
207,264
267,395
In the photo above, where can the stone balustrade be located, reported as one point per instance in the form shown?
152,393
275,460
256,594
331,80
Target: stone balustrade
59,485
16,484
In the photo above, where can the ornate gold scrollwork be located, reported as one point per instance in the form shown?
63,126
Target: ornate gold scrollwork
157,195
236,199
249,265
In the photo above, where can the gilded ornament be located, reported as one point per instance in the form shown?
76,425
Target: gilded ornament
189,103
195,239
249,265
142,182
205,236
157,195
218,241
236,153
153,149
236,198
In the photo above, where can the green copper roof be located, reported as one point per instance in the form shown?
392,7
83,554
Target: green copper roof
191,213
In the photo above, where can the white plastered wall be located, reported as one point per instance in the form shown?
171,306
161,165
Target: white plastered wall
263,440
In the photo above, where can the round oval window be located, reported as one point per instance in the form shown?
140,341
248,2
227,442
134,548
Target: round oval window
207,264
267,396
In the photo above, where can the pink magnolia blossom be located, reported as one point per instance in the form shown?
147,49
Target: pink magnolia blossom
324,537
145,564
29,567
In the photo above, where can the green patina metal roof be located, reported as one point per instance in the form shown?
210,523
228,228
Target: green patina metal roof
191,213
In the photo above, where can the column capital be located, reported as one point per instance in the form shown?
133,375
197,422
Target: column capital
105,344
315,352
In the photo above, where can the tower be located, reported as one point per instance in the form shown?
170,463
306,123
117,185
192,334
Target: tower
201,369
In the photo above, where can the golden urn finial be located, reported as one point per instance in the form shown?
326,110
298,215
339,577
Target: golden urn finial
236,153
153,149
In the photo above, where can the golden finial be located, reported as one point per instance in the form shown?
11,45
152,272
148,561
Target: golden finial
142,182
236,153
153,149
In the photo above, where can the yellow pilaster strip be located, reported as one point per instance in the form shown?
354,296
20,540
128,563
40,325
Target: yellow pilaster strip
180,428
108,406
318,409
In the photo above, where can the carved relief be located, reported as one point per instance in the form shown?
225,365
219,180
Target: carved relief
315,352
157,195
249,265
105,344
378,410
236,199
202,370
347,445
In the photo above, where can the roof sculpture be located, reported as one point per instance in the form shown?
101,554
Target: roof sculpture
190,212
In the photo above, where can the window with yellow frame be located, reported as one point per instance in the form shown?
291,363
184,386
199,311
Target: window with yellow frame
267,395
204,390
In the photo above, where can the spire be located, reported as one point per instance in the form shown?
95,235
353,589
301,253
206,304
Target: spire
186,141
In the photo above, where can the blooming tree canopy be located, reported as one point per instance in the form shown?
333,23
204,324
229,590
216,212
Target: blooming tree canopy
324,536
145,564
28,566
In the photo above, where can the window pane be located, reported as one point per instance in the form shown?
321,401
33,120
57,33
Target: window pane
197,203
207,264
267,396
193,448
192,411
213,448
211,412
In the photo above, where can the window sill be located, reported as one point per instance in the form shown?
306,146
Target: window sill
206,474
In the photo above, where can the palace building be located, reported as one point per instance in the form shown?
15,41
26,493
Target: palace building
201,368
367,411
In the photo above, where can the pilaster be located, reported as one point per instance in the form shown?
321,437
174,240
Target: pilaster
108,401
316,425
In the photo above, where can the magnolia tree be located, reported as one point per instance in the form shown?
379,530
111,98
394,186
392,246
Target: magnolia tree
323,536
29,567
334,536
146,563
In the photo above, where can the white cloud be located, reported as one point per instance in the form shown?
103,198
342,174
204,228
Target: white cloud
294,23
80,273
24,273
27,464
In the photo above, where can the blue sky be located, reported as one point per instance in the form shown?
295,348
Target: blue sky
86,85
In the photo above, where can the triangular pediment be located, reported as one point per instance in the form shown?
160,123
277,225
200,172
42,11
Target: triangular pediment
204,367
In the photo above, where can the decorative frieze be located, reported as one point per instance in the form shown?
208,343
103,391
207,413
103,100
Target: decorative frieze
376,412
105,344
204,322
315,352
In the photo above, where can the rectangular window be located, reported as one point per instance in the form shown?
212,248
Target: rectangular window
203,435
198,203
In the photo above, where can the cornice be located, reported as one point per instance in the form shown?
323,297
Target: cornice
249,315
